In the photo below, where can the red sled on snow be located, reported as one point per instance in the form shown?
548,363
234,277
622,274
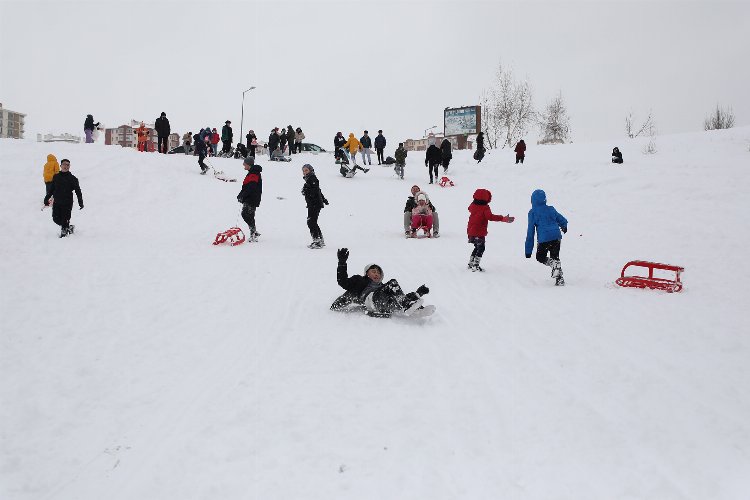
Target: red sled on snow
670,286
445,182
233,235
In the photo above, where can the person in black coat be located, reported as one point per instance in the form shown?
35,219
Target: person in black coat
616,156
249,196
446,153
250,146
315,203
368,290
338,143
88,128
366,142
273,141
201,149
63,185
380,146
290,138
162,132
433,160
479,153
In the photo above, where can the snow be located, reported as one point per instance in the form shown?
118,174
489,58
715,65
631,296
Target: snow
139,361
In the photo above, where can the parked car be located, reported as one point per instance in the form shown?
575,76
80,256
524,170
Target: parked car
311,148
180,150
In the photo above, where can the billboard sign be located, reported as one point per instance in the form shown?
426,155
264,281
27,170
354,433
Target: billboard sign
462,121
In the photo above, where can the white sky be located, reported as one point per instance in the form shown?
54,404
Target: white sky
355,65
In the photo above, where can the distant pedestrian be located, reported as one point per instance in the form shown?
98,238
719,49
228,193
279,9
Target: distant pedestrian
380,146
366,142
50,169
63,185
479,153
88,128
187,142
215,138
142,135
201,149
290,137
299,136
616,155
446,153
282,140
338,144
249,196
432,161
226,137
162,132
520,150
252,142
400,155
273,141
315,202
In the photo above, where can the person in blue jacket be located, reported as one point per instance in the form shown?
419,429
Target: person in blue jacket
547,223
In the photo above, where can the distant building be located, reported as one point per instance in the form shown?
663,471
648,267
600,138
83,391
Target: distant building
58,138
11,123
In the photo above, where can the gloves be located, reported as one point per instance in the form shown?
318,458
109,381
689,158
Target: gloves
239,199
564,229
80,207
509,219
325,202
342,254
423,290
528,255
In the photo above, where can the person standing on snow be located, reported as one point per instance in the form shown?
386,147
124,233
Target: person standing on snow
315,203
201,149
479,215
479,153
433,160
88,128
520,150
380,299
162,132
252,143
187,142
214,141
380,146
353,145
290,136
273,141
400,155
547,223
63,185
282,140
299,136
446,153
50,169
249,196
226,137
366,142
338,144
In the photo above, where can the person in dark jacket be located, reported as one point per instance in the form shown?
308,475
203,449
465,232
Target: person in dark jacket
547,223
249,196
479,215
315,202
400,155
366,142
380,146
479,153
368,290
63,185
252,142
616,155
226,137
201,149
411,202
446,153
162,132
338,143
520,150
432,161
88,128
273,141
282,140
290,138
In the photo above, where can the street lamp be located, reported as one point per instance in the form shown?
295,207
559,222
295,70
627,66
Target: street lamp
243,112
428,129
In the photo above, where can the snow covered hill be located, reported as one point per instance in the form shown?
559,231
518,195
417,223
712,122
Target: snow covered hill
139,361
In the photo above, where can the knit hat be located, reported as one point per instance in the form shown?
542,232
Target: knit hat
307,165
421,197
370,266
250,160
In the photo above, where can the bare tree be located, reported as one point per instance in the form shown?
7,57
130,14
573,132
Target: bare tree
722,118
508,110
554,122
647,127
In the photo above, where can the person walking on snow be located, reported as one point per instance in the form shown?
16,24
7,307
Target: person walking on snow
479,154
432,161
353,145
63,185
368,290
226,137
446,154
162,132
50,169
411,202
366,142
315,203
250,194
380,146
520,150
201,149
400,155
547,223
88,128
479,215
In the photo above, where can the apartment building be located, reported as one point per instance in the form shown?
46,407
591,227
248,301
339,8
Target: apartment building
11,123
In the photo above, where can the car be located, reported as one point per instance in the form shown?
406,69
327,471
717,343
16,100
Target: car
311,148
180,150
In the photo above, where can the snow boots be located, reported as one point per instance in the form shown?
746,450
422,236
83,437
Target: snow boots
317,243
474,264
557,272
65,231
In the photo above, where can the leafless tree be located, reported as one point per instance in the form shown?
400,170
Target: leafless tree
508,110
554,122
647,127
720,119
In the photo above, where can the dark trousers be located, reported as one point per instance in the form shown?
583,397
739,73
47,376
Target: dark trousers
379,151
553,247
47,188
162,140
346,300
519,158
433,168
61,214
446,162
248,215
226,146
251,149
312,222
478,242
388,298
201,157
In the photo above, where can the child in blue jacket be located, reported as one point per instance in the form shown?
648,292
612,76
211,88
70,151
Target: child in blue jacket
547,223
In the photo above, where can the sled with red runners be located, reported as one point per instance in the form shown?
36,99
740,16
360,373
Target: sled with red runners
445,182
669,285
233,235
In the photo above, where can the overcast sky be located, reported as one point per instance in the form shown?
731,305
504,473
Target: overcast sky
354,65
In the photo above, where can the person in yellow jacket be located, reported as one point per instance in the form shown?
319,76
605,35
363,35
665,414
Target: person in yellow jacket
353,145
50,169
142,134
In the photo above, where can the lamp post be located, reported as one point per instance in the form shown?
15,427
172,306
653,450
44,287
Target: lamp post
243,112
425,133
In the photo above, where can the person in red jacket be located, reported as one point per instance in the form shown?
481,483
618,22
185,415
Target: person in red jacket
479,215
215,142
520,151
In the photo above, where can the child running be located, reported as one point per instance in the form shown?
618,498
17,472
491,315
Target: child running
547,223
479,215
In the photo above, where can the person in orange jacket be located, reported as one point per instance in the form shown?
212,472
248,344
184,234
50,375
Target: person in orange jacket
50,169
142,134
353,145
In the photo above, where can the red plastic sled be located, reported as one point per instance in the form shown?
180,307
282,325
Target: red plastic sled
444,182
233,235
670,286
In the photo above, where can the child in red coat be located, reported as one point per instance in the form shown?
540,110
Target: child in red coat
479,215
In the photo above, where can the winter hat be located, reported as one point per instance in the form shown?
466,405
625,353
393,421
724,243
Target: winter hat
250,160
307,165
227,121
422,197
415,191
163,113
370,266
